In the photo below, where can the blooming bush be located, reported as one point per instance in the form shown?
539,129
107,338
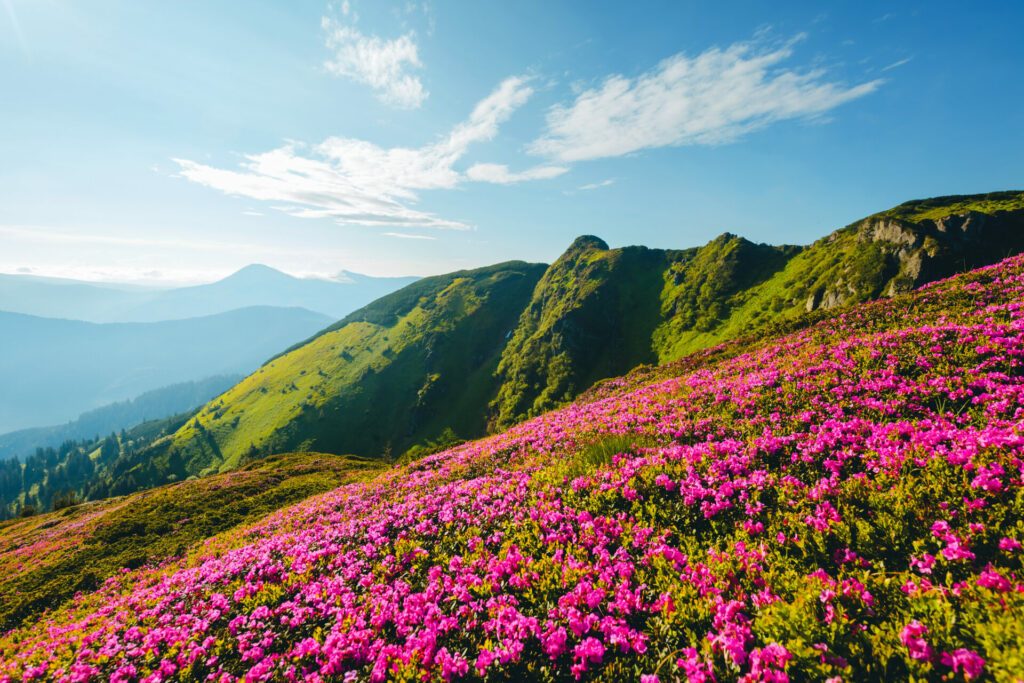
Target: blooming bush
843,503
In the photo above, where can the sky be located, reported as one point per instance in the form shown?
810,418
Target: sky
177,142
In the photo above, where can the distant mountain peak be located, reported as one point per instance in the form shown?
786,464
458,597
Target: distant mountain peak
346,277
257,270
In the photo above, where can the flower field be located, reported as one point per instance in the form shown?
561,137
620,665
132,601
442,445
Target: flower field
842,503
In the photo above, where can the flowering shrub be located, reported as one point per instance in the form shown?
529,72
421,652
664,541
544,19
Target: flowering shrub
843,503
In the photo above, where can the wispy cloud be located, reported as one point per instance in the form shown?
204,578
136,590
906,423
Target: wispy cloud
383,64
594,186
499,173
357,182
408,236
713,98
896,65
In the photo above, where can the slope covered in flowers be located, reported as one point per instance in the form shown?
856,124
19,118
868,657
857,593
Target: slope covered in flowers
843,503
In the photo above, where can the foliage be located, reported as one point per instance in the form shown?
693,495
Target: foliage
90,469
47,559
844,502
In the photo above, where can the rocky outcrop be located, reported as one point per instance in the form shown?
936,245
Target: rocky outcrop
911,253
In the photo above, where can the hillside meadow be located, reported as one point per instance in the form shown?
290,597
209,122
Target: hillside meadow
843,502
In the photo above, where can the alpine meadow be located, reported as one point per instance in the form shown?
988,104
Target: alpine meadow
441,341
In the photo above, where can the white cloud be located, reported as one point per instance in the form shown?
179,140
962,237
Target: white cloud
382,64
499,173
594,186
896,65
407,236
357,182
713,98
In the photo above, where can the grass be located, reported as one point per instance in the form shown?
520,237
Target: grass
940,207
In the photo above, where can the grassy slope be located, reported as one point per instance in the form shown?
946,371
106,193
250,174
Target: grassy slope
590,317
940,207
406,368
88,543
863,269
394,374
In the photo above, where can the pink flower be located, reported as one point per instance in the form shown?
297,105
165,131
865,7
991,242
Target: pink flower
990,578
1007,544
964,660
912,636
924,563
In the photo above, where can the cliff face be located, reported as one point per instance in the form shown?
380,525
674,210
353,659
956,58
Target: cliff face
918,251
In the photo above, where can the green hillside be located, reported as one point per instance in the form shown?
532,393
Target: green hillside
598,312
884,254
86,544
397,373
591,316
452,356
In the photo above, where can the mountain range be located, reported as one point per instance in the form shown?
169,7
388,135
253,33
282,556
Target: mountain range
455,356
53,370
44,397
254,285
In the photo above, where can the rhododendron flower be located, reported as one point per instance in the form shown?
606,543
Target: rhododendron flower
963,660
912,636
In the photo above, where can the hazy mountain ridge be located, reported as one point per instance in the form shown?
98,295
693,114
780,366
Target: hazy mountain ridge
254,285
54,370
151,405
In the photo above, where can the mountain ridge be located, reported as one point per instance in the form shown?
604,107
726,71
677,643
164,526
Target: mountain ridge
55,369
253,285
597,312
457,356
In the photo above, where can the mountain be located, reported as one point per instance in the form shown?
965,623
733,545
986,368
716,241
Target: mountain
839,503
599,312
53,370
155,404
413,367
254,285
391,375
259,285
69,299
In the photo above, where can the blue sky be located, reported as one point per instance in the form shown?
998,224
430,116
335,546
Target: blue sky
180,141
